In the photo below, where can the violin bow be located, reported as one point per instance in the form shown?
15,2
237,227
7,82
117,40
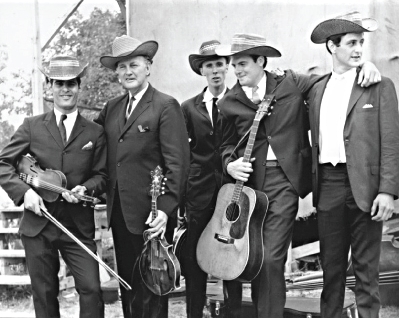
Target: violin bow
73,237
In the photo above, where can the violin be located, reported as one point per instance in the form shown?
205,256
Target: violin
49,183
159,267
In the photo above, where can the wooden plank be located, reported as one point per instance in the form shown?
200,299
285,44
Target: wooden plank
12,253
305,250
14,280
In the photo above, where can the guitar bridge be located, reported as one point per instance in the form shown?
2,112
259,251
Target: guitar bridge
224,239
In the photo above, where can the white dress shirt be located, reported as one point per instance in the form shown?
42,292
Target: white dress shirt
69,122
261,92
334,106
137,97
208,100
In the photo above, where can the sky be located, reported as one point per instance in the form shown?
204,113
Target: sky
17,24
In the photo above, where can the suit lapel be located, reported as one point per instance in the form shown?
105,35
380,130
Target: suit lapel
201,107
77,129
122,112
357,91
321,87
240,95
51,125
271,83
142,105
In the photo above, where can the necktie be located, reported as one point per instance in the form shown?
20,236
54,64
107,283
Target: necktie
62,129
129,107
215,111
255,96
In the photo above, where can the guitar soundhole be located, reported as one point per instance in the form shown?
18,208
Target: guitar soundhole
233,212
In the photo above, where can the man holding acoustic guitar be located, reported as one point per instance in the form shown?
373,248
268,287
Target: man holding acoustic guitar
280,164
74,148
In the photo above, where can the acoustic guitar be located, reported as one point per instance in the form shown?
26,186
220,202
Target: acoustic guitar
231,245
159,267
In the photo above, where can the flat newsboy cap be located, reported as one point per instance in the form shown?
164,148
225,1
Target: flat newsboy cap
64,67
125,47
348,23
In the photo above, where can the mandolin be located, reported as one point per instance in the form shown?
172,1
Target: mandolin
48,183
159,267
231,245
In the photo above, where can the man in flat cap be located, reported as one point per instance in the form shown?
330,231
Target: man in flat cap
65,141
355,165
280,164
201,115
144,128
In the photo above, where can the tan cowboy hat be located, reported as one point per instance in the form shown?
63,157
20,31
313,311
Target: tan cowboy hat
206,52
64,67
251,44
125,47
349,23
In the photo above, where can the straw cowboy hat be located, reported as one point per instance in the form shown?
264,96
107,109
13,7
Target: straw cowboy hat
125,47
251,44
349,23
206,52
64,67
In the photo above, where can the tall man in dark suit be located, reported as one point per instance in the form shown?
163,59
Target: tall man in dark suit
355,152
204,181
281,163
144,128
77,148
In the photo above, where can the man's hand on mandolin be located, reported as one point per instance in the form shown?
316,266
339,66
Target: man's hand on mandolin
158,226
33,202
70,197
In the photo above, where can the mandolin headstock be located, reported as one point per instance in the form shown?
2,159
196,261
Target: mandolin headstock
158,183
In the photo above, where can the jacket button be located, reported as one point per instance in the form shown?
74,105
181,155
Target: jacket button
346,140
120,140
211,133
118,164
269,137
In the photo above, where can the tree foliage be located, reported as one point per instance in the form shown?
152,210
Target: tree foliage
89,39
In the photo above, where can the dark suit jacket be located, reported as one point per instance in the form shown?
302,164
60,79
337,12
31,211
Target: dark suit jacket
132,154
371,138
205,161
286,129
39,136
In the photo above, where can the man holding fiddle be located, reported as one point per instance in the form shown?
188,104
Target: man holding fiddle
65,141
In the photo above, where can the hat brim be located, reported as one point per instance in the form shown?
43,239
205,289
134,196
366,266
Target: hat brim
332,27
267,51
65,77
148,48
196,60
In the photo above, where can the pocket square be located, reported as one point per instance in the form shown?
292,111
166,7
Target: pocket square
88,146
141,129
368,106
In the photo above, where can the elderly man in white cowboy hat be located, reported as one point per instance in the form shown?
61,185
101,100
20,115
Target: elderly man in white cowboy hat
64,141
355,163
201,115
144,128
281,158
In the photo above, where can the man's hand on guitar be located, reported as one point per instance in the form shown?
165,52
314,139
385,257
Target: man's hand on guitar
33,202
158,226
70,197
240,170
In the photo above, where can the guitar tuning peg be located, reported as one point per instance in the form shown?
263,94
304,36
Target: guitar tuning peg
165,179
163,192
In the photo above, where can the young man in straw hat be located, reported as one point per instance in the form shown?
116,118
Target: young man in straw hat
144,128
201,115
65,141
280,164
355,163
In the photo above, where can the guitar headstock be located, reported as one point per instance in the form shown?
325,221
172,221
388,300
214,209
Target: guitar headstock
265,107
157,184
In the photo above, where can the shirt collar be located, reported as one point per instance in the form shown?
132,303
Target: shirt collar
71,116
347,76
261,87
208,96
139,95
